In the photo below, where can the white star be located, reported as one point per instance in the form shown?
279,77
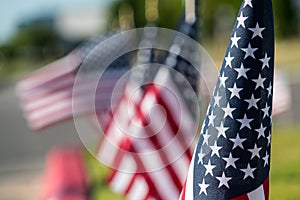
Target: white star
257,31
248,2
252,102
259,82
222,130
229,60
235,91
269,89
228,111
211,118
223,180
241,20
266,159
269,139
201,156
202,128
209,168
245,122
205,139
255,151
217,100
222,80
234,41
249,51
238,142
248,172
203,188
242,71
261,131
265,61
215,149
266,110
230,161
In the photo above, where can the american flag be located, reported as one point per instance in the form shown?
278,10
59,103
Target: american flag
144,167
150,153
46,94
232,158
282,100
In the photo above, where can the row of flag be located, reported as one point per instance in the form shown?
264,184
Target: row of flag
232,157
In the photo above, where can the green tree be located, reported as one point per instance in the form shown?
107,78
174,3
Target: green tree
286,23
285,14
169,11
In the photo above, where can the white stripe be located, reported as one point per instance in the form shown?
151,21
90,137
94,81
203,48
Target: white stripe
172,147
121,180
281,94
160,177
189,188
139,189
59,106
101,101
43,122
257,194
52,71
108,149
180,115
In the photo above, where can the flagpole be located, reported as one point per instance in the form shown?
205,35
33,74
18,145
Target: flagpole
190,11
151,11
126,17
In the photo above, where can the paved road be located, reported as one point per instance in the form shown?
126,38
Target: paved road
22,152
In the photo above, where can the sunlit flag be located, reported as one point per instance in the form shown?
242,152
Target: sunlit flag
232,158
162,146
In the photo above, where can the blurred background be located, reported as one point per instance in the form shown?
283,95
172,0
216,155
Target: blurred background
36,32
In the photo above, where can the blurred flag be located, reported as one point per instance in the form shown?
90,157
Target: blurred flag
46,95
282,100
65,175
163,139
232,158
155,144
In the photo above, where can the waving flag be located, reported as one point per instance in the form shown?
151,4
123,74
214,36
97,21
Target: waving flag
46,94
232,158
134,176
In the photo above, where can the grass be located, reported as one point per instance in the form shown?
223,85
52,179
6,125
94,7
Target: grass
285,168
97,176
285,164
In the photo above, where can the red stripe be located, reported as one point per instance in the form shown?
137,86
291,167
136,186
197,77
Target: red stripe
173,124
66,65
129,186
155,142
243,197
151,185
266,188
105,103
182,195
141,117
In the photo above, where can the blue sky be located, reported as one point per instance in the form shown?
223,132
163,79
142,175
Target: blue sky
12,11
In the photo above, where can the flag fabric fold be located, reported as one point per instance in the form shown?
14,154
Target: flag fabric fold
46,95
160,175
232,158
